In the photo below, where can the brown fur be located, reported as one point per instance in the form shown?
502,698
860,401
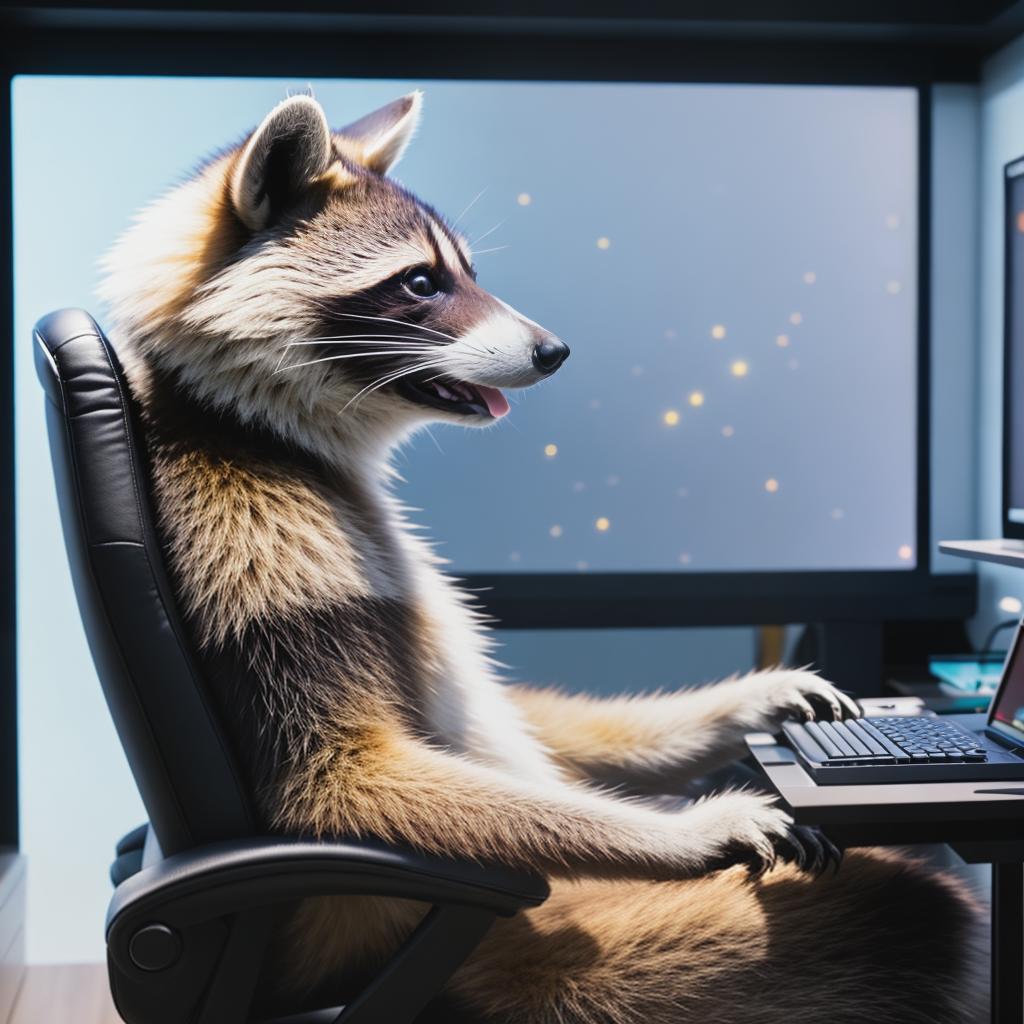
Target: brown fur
355,679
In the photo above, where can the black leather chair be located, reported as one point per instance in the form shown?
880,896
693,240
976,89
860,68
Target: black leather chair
199,893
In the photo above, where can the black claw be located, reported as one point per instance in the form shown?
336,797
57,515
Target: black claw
810,850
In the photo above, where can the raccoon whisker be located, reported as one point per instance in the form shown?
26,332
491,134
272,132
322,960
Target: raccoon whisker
401,323
489,231
472,203
484,252
346,355
332,339
388,378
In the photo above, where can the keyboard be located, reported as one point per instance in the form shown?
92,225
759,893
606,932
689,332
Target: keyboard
900,749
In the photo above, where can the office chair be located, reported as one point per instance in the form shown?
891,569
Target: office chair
199,892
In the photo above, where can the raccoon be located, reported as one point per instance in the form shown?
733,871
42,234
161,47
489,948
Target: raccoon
287,317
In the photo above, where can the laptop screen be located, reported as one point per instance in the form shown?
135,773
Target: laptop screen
1008,705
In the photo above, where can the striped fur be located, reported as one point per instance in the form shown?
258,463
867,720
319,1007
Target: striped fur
271,321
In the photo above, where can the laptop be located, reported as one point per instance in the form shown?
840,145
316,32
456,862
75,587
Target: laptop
925,748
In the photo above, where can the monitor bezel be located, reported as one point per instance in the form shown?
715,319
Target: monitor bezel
572,600
1014,169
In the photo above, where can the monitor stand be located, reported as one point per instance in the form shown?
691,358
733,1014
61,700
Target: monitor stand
1002,552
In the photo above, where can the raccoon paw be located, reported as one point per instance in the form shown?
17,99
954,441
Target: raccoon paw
806,696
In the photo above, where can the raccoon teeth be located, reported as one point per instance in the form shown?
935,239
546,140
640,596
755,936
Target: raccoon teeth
443,392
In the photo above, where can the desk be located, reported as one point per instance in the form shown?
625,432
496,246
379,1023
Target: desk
982,821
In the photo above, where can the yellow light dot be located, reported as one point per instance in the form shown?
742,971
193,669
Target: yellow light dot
771,485
782,341
796,318
727,431
893,287
555,531
696,399
524,199
892,222
739,368
551,450
604,243
906,552
1010,605
718,332
601,524
810,277
670,418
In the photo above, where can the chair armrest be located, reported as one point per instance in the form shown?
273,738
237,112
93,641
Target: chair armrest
231,877
187,936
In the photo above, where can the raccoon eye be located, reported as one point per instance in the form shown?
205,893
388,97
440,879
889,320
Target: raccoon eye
421,282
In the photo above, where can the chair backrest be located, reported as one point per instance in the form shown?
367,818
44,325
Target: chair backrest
164,714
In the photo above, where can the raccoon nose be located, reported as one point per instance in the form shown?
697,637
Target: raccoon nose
549,354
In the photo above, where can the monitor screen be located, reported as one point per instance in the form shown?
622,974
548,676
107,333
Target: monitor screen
733,266
1013,411
1008,706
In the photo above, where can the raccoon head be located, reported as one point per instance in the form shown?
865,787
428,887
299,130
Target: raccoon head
293,284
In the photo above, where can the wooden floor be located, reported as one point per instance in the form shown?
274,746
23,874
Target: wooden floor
69,995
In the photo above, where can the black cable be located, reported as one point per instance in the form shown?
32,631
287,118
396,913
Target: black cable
995,631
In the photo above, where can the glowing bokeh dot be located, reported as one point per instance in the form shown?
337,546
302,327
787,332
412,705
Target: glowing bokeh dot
796,318
810,277
782,341
893,287
771,485
906,552
670,418
604,243
524,199
696,399
551,450
555,531
1010,605
739,368
601,524
718,332
727,431
685,558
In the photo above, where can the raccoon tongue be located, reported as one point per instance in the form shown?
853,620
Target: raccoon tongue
497,403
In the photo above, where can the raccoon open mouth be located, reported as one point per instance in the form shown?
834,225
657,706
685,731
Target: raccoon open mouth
456,396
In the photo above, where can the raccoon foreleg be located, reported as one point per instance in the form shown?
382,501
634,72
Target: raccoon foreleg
659,741
382,781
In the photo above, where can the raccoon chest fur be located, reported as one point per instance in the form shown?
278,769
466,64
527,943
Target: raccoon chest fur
311,596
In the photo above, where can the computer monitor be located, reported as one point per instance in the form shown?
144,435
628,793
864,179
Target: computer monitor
736,269
1013,353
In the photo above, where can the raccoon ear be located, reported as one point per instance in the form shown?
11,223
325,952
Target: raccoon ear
380,138
289,149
